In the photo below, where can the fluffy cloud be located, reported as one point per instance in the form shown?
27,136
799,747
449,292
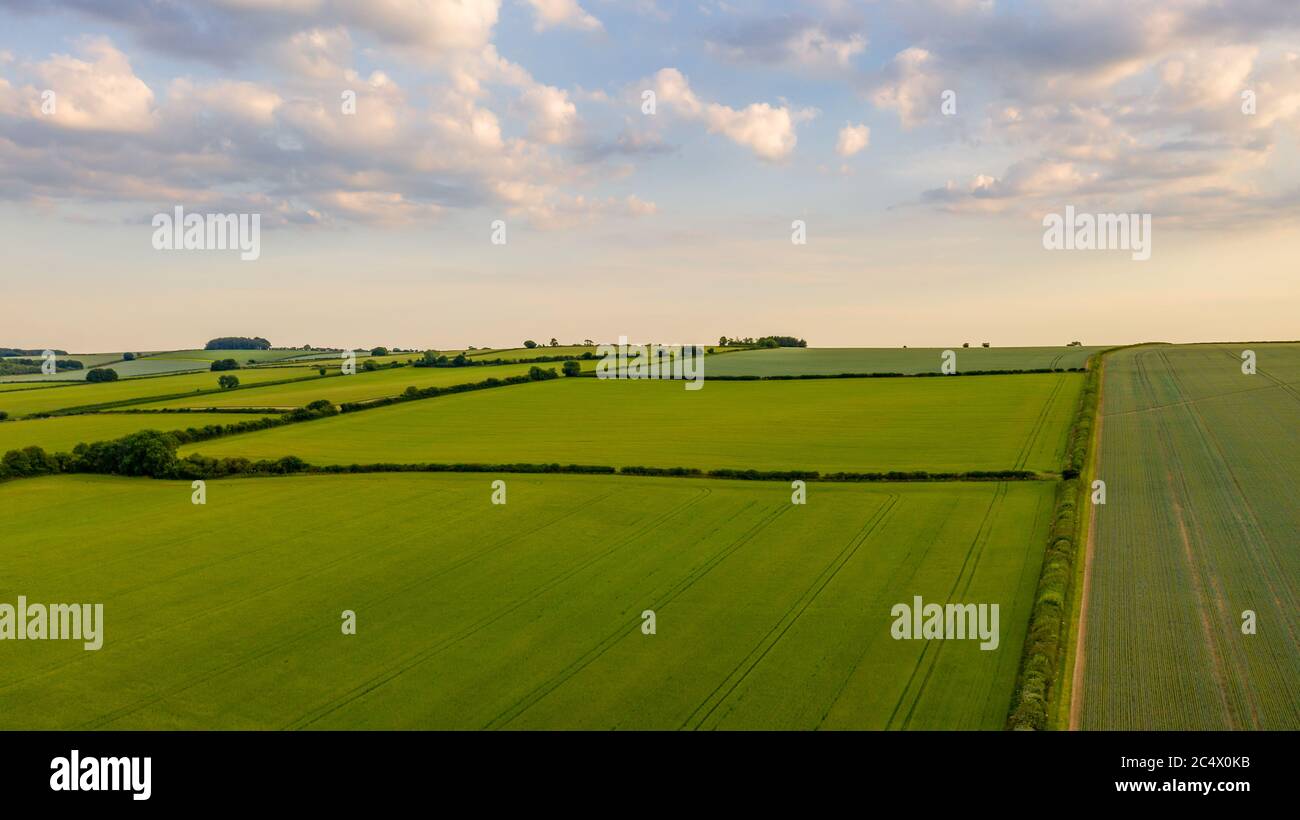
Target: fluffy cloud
768,131
97,93
852,139
909,85
564,14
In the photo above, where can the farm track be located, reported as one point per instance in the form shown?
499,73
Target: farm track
718,696
1043,414
629,626
963,581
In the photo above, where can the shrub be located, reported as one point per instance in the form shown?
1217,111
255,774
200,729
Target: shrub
572,368
101,374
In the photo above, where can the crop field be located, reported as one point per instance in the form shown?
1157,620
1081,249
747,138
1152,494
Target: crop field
525,615
205,357
6,387
359,387
1198,528
985,423
26,402
62,433
830,361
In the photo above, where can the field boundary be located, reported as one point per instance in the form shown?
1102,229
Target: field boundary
1049,650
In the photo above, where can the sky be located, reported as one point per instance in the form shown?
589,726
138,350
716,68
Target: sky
651,163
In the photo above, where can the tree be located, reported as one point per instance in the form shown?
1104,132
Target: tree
985,344
101,374
431,356
537,374
3,415
722,341
228,382
554,343
379,351
320,370
128,357
588,343
530,344
369,365
572,368
238,343
965,344
147,452
1075,344
224,364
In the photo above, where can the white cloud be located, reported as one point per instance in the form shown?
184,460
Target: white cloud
909,86
99,93
852,139
768,131
563,14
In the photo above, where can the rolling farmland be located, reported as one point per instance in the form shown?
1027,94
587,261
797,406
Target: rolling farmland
359,387
527,615
985,423
62,433
26,402
1199,526
830,361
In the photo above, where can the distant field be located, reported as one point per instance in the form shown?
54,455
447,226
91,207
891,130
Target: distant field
62,433
25,402
241,356
356,388
1199,525
993,422
527,615
794,361
529,353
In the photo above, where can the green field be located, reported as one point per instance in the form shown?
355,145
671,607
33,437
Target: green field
985,423
25,402
527,615
359,387
62,433
1200,525
205,357
829,361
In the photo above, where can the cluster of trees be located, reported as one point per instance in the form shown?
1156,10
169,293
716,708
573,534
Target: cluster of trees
762,341
238,343
967,344
530,344
21,351
101,374
22,367
224,364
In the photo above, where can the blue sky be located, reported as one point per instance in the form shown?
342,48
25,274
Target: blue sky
924,228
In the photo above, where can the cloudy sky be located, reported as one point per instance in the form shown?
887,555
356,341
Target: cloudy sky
924,226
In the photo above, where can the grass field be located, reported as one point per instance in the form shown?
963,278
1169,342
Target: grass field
25,402
527,615
994,422
359,387
829,361
62,433
205,357
1200,525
